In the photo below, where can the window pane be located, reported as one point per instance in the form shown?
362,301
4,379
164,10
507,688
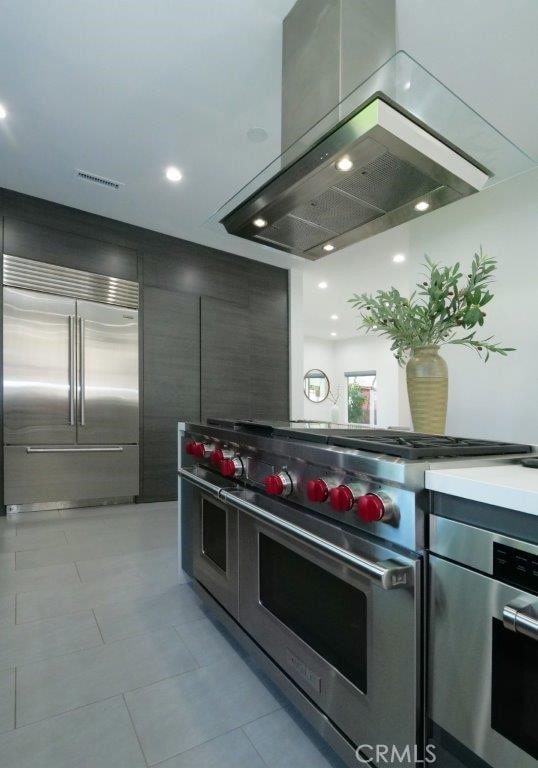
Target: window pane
362,398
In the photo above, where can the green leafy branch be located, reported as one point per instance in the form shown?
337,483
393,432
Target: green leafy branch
445,308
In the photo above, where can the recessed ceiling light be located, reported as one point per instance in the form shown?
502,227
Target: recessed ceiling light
322,285
334,317
333,333
173,173
407,85
328,247
344,164
422,206
259,222
398,258
3,112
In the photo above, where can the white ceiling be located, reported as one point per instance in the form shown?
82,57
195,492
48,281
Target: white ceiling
125,88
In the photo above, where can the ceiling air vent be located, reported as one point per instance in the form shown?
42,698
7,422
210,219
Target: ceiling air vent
110,183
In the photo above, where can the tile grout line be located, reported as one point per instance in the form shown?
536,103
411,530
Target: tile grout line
134,729
67,711
78,572
252,743
108,698
98,627
15,701
203,743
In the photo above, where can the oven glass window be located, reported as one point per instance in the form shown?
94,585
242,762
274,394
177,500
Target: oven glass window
327,613
214,533
514,693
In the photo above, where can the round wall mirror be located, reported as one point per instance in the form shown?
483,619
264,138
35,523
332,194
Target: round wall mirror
316,385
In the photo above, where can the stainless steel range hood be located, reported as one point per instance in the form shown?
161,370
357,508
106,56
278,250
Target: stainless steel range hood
392,171
409,144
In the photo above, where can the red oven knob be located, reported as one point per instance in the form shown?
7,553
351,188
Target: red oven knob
231,467
374,508
190,446
341,498
317,490
218,454
198,450
278,485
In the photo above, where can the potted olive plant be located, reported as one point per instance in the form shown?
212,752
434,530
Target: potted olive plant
445,308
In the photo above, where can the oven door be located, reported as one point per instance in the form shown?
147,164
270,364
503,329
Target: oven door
215,550
338,614
484,665
214,538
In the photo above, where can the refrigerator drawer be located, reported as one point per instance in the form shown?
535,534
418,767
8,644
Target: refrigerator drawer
51,473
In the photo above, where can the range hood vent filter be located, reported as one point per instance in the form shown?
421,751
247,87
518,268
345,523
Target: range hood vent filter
387,182
290,233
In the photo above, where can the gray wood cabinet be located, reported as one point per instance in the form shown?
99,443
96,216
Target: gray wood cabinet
225,360
171,384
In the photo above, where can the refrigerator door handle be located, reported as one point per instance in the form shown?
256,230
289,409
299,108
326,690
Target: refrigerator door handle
90,449
82,373
72,358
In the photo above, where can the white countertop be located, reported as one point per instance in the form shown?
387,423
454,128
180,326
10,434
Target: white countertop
511,485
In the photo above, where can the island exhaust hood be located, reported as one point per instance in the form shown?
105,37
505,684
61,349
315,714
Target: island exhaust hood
376,170
395,147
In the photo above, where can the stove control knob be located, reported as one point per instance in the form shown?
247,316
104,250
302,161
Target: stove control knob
219,454
190,446
202,450
317,490
278,485
231,467
342,498
375,508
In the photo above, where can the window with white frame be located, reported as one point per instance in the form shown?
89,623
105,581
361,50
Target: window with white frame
361,397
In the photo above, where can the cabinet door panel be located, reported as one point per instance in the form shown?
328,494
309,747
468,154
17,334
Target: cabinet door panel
171,340
225,358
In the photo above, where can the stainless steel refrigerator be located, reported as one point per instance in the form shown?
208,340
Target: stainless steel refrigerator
70,387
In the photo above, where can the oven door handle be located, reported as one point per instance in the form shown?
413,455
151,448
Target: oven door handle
388,574
521,616
202,483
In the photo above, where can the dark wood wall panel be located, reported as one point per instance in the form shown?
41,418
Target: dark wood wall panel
34,241
269,343
225,360
171,327
234,365
194,269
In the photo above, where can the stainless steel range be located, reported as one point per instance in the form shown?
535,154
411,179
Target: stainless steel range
309,545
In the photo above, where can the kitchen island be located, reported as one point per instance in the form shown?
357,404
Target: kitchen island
512,485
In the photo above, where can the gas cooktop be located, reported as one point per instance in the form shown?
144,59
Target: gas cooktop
406,445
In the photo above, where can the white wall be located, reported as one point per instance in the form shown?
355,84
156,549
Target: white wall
360,353
497,399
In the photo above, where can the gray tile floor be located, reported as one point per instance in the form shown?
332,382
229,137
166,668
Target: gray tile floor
108,660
